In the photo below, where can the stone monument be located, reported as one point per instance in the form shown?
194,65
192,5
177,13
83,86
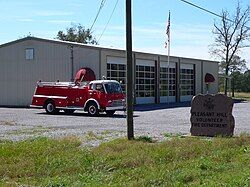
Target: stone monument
211,115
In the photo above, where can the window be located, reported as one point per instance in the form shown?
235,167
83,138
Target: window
187,81
29,54
117,72
99,87
145,77
166,85
113,88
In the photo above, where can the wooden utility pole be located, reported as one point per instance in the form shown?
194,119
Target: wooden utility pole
129,74
72,62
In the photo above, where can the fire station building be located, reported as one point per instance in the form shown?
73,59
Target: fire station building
24,62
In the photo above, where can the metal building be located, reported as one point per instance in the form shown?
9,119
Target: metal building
23,62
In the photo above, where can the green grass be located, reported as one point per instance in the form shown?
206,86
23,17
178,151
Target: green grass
242,95
188,161
30,131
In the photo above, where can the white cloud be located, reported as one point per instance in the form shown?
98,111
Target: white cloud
152,31
4,19
112,41
110,28
180,51
26,20
77,4
138,32
46,13
59,21
192,34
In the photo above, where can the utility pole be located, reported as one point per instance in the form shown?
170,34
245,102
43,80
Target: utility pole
232,80
129,74
72,62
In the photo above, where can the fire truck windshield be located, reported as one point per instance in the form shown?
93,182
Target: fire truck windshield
113,87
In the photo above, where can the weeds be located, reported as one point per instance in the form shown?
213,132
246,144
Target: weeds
173,135
93,136
177,162
30,131
145,139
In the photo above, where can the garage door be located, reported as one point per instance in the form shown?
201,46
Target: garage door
116,70
186,82
167,88
145,81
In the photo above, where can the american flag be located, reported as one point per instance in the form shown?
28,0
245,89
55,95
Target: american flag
168,31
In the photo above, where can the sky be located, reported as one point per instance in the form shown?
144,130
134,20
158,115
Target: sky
191,28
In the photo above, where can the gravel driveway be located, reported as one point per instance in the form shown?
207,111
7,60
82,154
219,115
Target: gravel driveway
149,120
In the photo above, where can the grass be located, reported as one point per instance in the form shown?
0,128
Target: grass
145,139
30,131
188,161
242,95
92,136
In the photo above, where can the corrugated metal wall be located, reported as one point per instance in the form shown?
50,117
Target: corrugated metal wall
51,62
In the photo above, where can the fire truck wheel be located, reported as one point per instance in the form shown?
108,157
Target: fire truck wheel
110,112
69,111
50,107
92,109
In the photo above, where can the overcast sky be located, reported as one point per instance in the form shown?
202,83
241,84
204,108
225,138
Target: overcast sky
191,28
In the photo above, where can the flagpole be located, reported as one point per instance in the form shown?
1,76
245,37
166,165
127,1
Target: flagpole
168,57
168,70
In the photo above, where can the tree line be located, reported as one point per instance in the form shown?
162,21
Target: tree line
241,81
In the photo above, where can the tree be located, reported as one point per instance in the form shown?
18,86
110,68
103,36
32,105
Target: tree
237,81
241,81
246,81
231,35
77,33
236,64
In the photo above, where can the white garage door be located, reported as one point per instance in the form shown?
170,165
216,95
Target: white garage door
186,82
167,88
116,70
145,81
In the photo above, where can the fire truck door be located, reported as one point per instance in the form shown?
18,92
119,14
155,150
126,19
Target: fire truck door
73,96
81,96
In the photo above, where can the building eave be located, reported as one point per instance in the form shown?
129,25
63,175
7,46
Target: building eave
91,46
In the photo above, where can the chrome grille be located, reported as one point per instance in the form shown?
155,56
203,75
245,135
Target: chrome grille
118,103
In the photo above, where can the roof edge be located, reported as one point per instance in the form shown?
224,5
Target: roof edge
53,41
93,47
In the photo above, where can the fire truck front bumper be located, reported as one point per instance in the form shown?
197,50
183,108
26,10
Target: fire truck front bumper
117,105
115,108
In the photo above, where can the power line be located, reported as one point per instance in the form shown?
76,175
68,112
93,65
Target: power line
98,12
206,10
201,8
108,20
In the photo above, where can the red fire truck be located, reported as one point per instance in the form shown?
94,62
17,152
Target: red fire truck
92,96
